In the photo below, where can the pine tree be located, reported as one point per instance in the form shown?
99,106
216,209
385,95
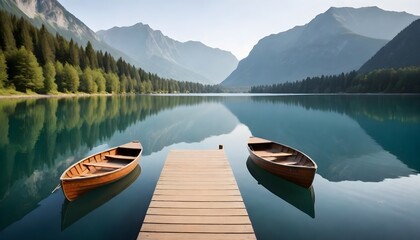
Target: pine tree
49,78
62,49
46,52
22,35
91,56
74,54
3,70
7,40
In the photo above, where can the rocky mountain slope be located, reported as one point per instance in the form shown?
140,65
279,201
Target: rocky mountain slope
401,51
339,40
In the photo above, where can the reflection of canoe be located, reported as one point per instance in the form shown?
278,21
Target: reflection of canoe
301,198
282,160
71,212
100,169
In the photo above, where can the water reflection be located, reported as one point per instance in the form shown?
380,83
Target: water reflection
73,211
343,134
352,139
40,138
299,197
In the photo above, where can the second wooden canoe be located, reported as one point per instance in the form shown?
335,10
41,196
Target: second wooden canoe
100,169
283,161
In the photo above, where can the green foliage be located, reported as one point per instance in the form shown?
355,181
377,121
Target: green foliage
123,84
99,79
49,78
45,46
87,84
22,35
3,70
91,56
73,51
24,71
7,41
401,80
59,69
112,83
70,78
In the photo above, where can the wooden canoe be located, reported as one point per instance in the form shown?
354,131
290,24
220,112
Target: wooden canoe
283,161
100,169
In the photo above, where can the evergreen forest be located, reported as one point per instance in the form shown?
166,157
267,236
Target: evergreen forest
33,60
400,80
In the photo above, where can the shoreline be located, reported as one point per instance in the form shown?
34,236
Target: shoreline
68,95
63,95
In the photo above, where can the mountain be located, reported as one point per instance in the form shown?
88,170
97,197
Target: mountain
58,20
401,51
339,40
155,52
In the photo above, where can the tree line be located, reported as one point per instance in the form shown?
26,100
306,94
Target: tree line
34,60
401,80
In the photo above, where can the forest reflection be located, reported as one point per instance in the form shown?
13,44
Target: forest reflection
35,132
39,138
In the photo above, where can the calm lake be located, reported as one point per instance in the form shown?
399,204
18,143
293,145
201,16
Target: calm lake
367,185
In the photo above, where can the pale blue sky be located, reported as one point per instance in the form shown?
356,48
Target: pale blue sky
233,25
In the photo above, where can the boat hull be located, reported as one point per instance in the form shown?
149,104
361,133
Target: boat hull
71,212
300,175
75,186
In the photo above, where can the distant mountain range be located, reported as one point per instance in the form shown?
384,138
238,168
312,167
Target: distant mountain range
155,52
401,51
339,40
142,46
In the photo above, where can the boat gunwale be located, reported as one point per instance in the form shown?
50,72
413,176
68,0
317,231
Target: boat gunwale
63,178
279,163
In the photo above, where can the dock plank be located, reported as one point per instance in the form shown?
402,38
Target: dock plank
194,192
196,197
192,205
194,236
197,219
197,211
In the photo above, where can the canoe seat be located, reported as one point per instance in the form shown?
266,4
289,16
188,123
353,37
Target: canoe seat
273,154
284,162
105,165
86,175
119,157
287,162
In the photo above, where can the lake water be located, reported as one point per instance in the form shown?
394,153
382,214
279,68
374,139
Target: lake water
367,185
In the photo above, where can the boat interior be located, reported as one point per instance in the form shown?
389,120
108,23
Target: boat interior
104,162
279,154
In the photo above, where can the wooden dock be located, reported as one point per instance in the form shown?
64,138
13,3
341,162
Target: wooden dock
197,197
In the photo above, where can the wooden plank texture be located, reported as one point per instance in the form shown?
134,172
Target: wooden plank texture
197,197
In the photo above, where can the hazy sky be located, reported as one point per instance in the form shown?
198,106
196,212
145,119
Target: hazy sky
233,25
